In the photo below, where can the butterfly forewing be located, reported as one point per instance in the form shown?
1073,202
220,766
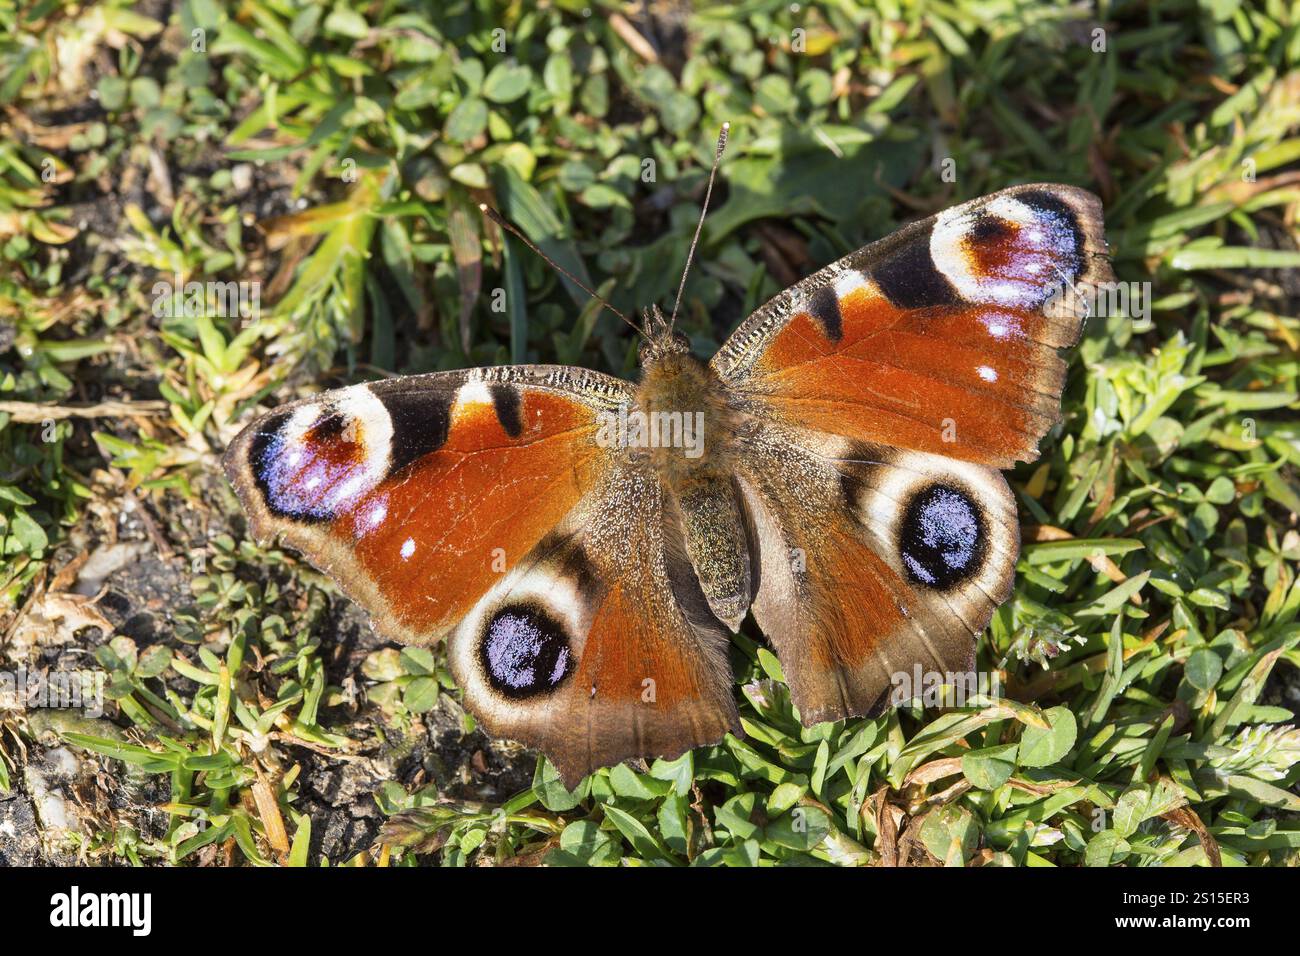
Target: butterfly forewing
940,338
417,493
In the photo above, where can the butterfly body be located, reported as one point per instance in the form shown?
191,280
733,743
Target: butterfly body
697,473
585,545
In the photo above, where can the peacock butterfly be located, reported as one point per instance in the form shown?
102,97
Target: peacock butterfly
585,544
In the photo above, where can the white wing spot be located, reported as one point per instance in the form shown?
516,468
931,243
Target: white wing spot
375,516
849,282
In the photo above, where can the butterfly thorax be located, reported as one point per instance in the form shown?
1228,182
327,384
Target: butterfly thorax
688,420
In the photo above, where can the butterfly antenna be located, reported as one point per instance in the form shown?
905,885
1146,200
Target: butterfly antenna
699,227
500,221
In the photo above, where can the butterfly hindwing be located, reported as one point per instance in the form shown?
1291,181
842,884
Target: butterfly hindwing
873,559
600,646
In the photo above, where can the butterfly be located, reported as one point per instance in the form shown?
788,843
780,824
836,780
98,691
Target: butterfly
585,545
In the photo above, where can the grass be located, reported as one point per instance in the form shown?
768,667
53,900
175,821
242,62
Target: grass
334,154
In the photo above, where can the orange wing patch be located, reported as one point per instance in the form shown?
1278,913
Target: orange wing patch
465,514
631,644
852,630
982,391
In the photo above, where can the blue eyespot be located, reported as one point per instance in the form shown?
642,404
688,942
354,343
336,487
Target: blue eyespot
943,537
524,652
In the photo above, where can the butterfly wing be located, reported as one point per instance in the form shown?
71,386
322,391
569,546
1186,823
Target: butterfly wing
872,560
481,504
887,391
941,337
601,645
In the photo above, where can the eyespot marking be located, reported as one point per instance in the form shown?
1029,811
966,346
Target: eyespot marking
943,537
991,229
1064,219
524,652
1013,250
329,427
306,462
